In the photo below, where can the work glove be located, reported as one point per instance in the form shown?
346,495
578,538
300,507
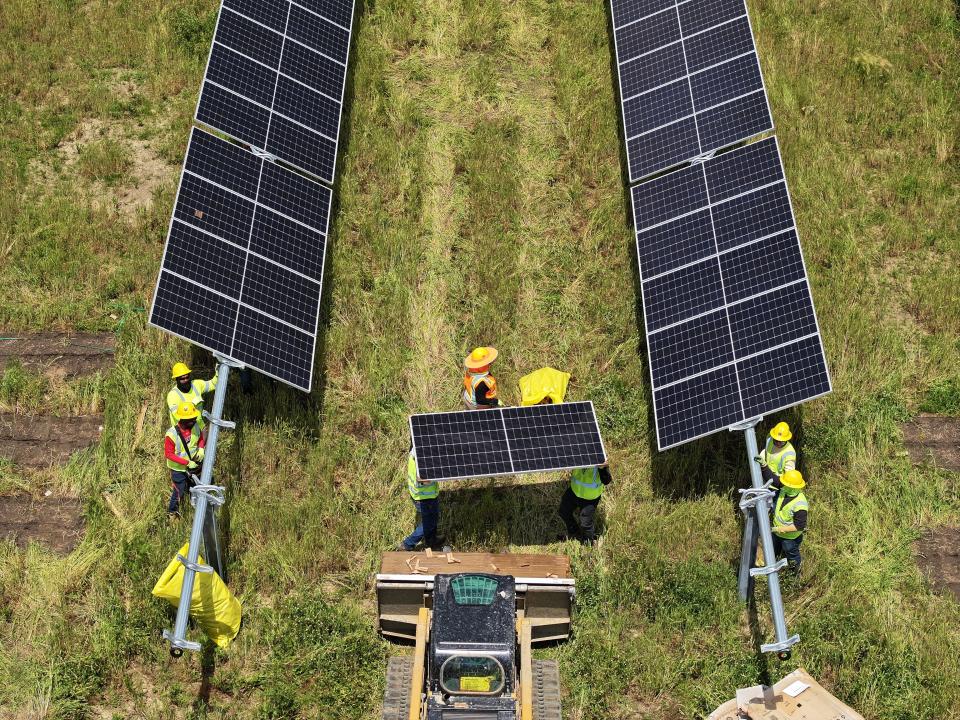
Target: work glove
760,460
199,454
192,465
779,528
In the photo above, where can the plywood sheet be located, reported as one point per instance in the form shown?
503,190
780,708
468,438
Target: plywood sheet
539,566
764,703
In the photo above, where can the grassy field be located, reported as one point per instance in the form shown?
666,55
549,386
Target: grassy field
480,201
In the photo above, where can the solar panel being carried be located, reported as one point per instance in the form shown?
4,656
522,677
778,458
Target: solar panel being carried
275,78
690,80
506,441
242,269
730,325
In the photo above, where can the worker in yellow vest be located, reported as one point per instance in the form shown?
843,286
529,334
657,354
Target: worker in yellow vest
479,386
426,501
790,518
183,449
187,390
778,454
578,506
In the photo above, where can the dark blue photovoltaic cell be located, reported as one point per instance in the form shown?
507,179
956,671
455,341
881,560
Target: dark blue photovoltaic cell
698,406
204,259
234,115
689,348
249,38
657,108
675,243
281,293
762,266
245,77
227,165
194,313
653,70
627,11
669,196
780,316
550,437
213,209
733,121
663,148
726,82
682,294
272,13
340,11
783,377
752,216
313,69
718,45
307,107
295,196
272,347
698,15
288,243
319,34
460,444
743,169
647,35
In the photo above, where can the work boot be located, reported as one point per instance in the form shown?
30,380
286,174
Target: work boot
437,543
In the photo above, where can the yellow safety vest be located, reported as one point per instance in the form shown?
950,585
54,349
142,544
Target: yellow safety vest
783,514
470,383
419,491
193,443
585,483
194,395
780,462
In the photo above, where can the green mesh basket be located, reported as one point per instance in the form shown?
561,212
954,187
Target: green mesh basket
473,590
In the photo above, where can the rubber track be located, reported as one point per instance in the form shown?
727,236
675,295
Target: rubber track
396,695
546,690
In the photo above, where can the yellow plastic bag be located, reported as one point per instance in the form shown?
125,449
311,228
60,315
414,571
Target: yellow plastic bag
213,606
543,383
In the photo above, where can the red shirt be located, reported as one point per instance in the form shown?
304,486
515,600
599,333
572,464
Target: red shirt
170,449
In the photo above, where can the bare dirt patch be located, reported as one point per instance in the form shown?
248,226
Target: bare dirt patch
935,439
56,522
41,440
59,355
938,555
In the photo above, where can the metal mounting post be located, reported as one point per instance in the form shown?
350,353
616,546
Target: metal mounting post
203,496
757,526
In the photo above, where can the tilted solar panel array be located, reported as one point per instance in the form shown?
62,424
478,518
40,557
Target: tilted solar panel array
276,76
506,441
243,264
730,324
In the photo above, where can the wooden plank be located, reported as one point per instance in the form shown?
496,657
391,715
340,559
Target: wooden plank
763,703
545,566
419,658
526,672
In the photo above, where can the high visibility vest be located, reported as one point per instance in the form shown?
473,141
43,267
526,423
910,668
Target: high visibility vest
193,443
419,491
194,395
470,383
783,513
585,483
780,461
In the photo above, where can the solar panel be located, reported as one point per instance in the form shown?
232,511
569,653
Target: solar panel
275,78
690,80
506,441
730,323
243,264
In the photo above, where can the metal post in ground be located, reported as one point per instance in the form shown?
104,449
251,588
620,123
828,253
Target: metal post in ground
758,498
203,497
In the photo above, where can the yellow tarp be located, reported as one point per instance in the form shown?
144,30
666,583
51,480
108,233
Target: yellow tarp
213,606
543,383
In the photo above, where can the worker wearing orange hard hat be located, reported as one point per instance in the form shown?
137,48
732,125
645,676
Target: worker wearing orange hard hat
188,390
479,386
778,455
183,450
790,518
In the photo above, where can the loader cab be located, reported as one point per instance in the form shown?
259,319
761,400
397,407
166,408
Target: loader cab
472,665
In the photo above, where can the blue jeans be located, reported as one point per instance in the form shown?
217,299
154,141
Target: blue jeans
181,486
790,549
426,530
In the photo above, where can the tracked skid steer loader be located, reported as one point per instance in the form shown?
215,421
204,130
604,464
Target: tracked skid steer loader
473,619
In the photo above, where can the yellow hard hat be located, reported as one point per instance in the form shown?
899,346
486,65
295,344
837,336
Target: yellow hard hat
480,357
186,411
179,370
793,479
781,432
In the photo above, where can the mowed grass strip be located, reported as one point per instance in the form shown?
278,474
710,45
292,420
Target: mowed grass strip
481,201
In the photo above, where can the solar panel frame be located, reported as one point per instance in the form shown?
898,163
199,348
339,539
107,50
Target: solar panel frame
217,300
752,171
683,133
263,137
518,464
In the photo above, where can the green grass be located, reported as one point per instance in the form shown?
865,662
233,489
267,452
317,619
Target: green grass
481,201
